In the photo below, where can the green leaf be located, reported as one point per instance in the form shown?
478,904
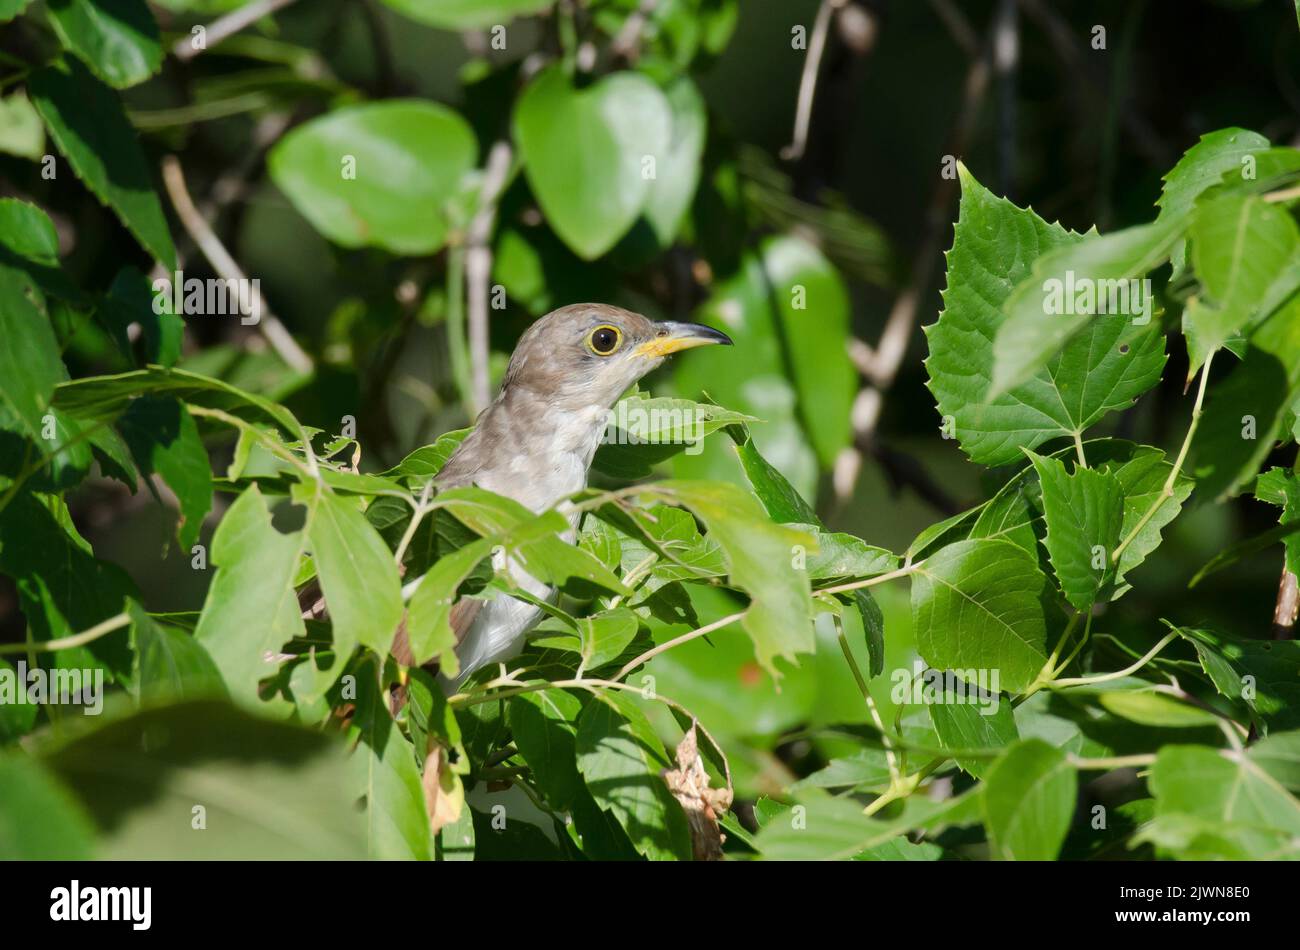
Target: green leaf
11,8
466,14
426,461
1262,674
17,712
592,195
1241,246
358,575
822,828
971,725
205,781
1028,802
620,759
995,248
1042,316
1281,487
1154,709
117,39
21,131
39,819
644,431
781,499
542,725
978,604
429,618
170,663
30,366
844,555
1205,164
384,771
86,121
1279,756
1244,412
1084,514
130,300
377,175
678,170
63,589
1228,797
251,609
759,557
812,309
164,441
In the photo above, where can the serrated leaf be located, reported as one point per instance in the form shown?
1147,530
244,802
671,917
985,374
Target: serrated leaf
1029,799
1262,674
1084,513
1281,487
86,121
978,604
171,663
1089,284
996,248
759,561
1227,796
357,573
542,724
620,759
30,366
1244,412
117,39
384,771
251,608
164,441
21,131
644,431
1241,246
971,725
381,174
429,618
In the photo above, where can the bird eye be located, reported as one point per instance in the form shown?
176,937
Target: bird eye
604,340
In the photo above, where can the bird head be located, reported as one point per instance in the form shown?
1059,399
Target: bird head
589,354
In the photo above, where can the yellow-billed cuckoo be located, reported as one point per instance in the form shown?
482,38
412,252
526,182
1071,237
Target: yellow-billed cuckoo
535,442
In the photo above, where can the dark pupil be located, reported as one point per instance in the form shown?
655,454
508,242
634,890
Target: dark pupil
602,341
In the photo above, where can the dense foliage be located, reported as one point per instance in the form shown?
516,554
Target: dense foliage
715,641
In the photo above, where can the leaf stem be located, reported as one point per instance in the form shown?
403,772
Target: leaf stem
872,581
101,629
1118,674
895,775
1168,491
1078,449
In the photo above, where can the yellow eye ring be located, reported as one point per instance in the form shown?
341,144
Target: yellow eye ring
605,340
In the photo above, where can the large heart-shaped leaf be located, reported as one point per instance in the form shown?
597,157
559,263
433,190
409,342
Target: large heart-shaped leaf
592,154
380,174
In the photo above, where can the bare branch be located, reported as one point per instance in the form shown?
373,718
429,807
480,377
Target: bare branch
808,81
478,269
225,26
1286,608
211,247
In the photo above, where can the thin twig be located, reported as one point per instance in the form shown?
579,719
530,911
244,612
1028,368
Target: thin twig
225,26
808,80
478,269
103,628
210,245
